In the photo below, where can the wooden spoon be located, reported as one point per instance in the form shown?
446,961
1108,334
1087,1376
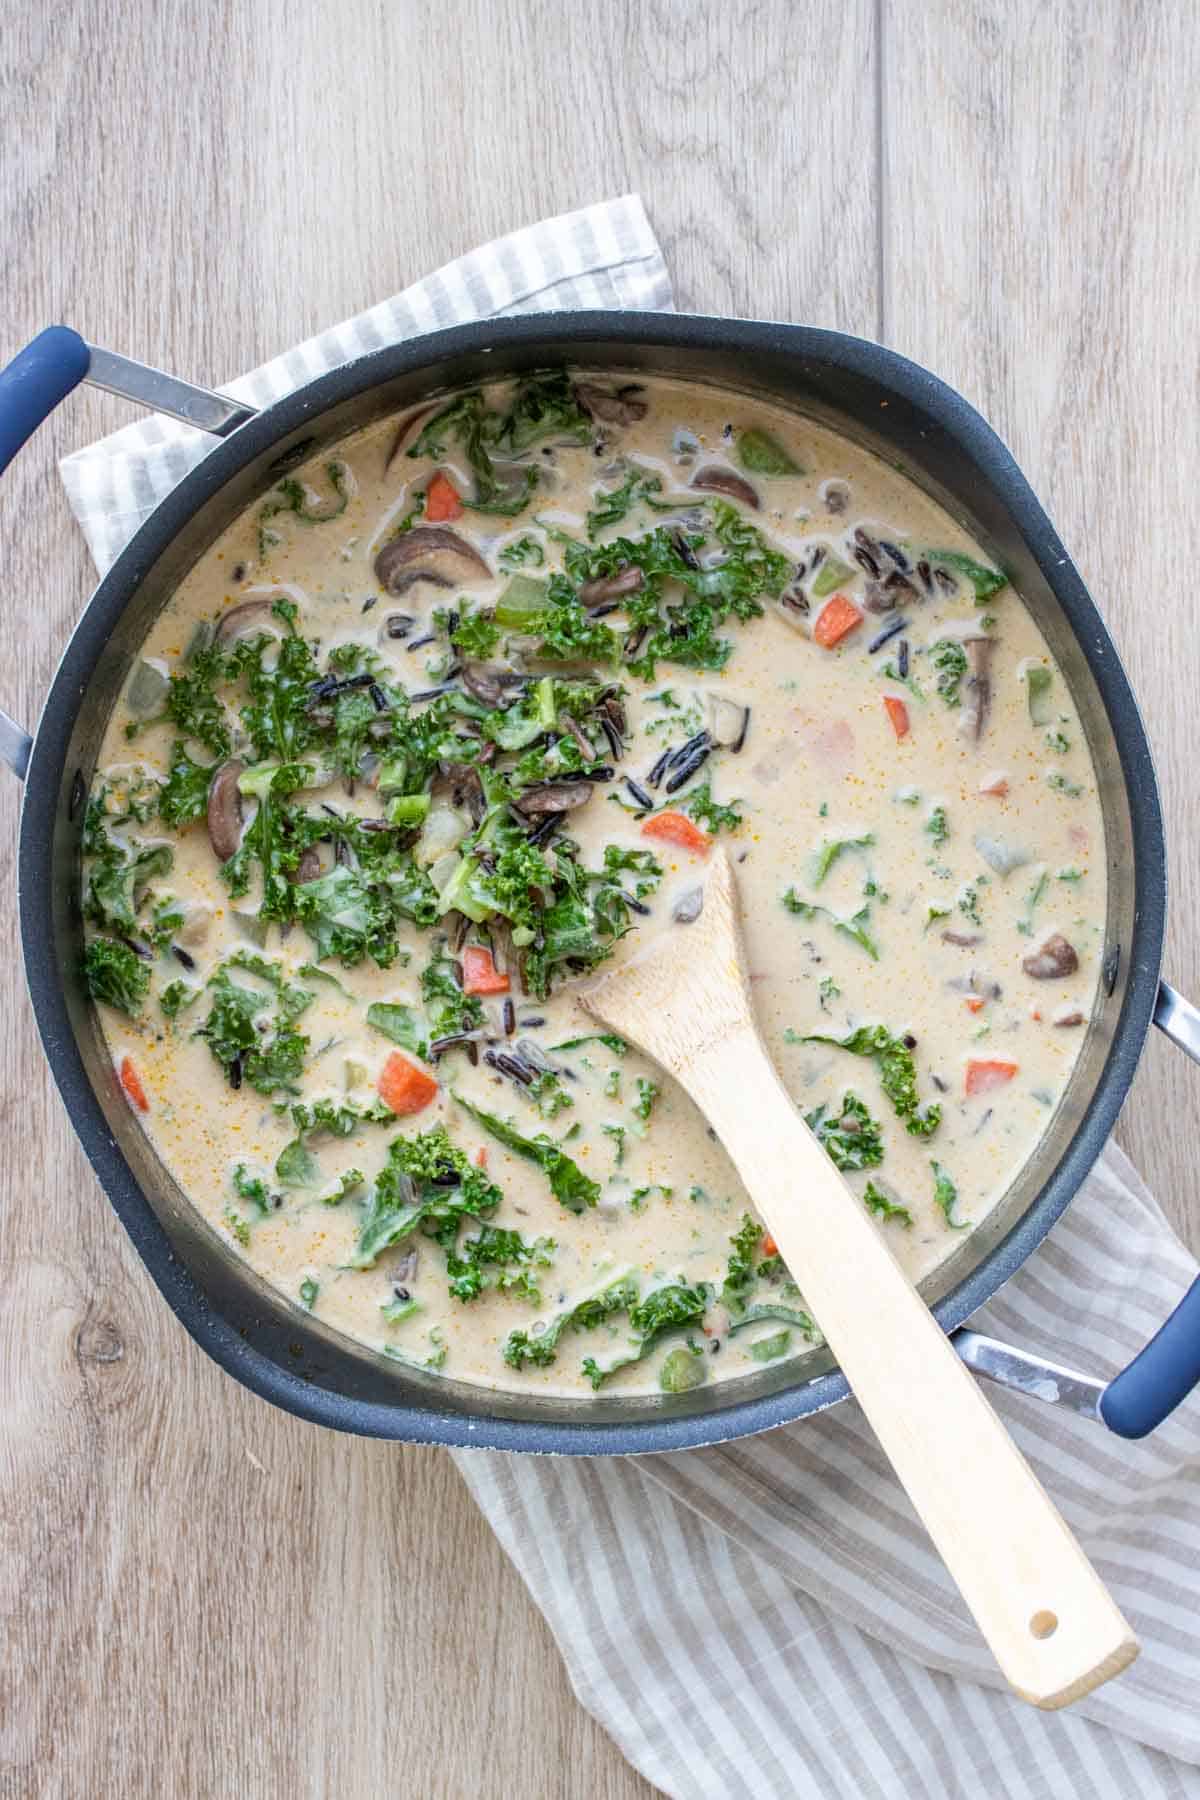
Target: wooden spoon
1051,1624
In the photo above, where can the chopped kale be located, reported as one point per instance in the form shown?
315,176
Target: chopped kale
714,815
540,1348
832,849
496,1257
877,1202
526,553
983,580
851,1138
427,1184
949,660
897,1073
937,827
400,1024
568,1183
269,1059
945,1196
666,1309
739,1276
856,926
184,795
611,507
115,975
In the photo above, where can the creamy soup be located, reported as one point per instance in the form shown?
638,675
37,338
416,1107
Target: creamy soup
456,715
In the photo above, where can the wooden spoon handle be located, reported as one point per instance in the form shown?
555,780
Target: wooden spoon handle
1051,1624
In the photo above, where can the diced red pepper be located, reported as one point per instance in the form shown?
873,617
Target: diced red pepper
481,1157
442,500
897,712
836,620
974,1003
404,1087
677,828
982,1077
131,1081
995,785
480,974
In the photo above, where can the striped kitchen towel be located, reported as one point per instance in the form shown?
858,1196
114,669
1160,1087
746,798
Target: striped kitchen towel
767,1617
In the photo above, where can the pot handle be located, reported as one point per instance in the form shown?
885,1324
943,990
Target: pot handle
1167,1370
1145,1393
45,372
31,386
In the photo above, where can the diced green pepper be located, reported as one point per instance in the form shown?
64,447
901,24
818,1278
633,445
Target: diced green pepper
682,1369
766,1349
831,574
763,454
1038,682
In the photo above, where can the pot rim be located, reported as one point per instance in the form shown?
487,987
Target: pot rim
568,335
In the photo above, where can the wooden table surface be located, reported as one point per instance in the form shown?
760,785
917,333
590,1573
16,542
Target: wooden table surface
200,1595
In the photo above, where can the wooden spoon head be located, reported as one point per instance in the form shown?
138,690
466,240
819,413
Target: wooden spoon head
686,989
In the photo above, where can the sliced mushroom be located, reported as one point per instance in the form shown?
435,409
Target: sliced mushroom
240,618
977,690
406,431
1053,961
462,785
1064,1020
688,907
715,479
309,865
619,407
966,940
611,587
877,597
554,797
225,810
430,553
484,683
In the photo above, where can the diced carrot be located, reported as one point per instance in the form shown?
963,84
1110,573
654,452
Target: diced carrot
836,619
982,1077
131,1081
897,712
996,785
404,1087
480,974
442,500
974,1003
677,828
769,1246
1035,1015
481,1157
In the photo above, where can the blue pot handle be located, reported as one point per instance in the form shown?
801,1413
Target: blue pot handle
1160,1376
1167,1370
31,386
36,379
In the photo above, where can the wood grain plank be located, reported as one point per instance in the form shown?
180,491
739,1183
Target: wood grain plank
1041,198
200,1595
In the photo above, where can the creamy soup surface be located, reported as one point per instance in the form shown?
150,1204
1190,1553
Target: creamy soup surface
457,714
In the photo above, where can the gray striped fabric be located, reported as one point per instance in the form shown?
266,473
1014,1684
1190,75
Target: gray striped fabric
602,256
767,1617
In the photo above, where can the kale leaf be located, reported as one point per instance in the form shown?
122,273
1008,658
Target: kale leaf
897,1073
540,1347
568,1183
427,1183
115,975
851,1138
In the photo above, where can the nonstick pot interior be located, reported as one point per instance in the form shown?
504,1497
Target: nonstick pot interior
881,400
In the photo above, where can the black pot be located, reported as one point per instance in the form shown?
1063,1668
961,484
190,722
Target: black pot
872,395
